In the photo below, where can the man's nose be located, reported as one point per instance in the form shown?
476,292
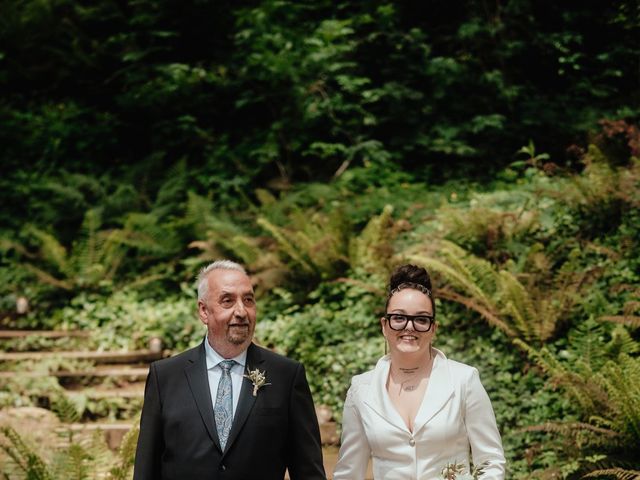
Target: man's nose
240,310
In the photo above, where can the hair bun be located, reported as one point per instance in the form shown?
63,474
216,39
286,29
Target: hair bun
409,274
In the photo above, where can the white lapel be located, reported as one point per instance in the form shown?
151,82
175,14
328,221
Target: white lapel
377,398
439,391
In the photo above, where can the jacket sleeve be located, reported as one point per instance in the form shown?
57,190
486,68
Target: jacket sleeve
150,439
355,452
304,459
482,430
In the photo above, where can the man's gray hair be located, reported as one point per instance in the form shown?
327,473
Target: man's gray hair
203,284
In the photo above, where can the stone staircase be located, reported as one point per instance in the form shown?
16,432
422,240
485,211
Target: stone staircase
109,384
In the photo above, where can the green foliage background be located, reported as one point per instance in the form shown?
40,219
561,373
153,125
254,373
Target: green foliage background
322,143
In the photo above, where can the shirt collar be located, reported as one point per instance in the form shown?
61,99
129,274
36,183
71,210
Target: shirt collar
214,358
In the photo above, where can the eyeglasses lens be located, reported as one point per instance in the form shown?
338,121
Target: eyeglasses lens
421,323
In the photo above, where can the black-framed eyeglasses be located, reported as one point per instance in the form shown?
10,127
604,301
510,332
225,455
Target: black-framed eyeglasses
399,321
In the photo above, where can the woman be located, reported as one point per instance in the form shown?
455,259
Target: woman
417,412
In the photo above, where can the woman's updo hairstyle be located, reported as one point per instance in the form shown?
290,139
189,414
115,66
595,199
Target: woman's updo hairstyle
411,276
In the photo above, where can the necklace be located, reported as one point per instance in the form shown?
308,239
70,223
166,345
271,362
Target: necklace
409,370
409,384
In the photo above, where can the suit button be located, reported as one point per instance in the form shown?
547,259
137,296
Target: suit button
412,442
223,467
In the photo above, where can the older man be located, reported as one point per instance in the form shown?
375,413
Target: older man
228,409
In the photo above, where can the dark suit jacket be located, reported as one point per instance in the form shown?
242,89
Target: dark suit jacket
273,431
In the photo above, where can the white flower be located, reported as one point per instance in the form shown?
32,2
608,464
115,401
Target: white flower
258,378
458,471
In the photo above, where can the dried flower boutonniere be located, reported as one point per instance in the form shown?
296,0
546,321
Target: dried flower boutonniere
258,379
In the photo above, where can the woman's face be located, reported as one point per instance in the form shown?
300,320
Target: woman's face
408,340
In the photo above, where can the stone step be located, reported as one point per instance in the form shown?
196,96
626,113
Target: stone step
5,334
136,356
129,392
128,373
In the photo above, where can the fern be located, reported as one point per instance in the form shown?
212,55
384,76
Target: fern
95,256
372,251
126,456
632,321
529,312
24,458
587,344
474,279
621,380
313,242
65,409
74,463
621,342
618,473
519,305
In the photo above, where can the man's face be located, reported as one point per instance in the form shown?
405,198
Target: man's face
229,311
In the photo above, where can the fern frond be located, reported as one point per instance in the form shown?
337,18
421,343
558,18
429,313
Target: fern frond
621,342
51,250
618,473
519,305
492,318
632,321
23,456
621,380
126,455
570,428
459,278
577,387
65,409
286,245
87,246
47,278
74,463
372,249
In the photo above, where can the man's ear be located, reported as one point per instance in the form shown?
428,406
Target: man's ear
203,312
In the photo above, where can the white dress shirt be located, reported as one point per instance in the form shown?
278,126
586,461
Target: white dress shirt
214,373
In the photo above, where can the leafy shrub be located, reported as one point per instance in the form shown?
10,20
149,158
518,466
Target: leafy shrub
126,320
335,334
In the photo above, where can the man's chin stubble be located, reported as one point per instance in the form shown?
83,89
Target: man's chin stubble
238,339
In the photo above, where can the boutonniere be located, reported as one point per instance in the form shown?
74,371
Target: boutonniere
457,471
258,378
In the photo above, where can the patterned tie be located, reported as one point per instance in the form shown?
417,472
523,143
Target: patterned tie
223,409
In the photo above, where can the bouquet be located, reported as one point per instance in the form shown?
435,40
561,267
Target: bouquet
458,471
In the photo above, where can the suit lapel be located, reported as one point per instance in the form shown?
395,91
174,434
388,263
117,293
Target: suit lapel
246,400
439,391
378,399
198,379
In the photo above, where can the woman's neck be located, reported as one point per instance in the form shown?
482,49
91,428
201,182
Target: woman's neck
408,364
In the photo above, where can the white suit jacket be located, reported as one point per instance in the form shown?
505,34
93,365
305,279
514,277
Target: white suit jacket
455,420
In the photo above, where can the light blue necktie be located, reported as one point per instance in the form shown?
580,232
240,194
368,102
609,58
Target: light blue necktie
223,409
